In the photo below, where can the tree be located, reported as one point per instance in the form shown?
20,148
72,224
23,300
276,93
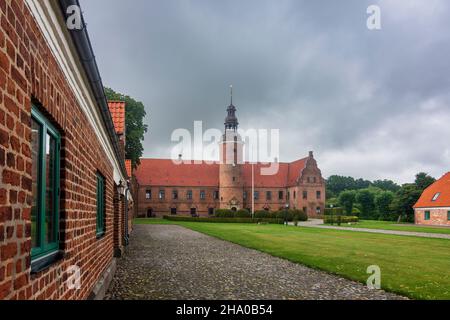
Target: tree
347,200
404,201
423,180
366,199
135,127
383,201
386,185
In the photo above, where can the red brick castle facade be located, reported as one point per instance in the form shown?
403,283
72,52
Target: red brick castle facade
165,187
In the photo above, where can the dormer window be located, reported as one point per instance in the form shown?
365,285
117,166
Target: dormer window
436,196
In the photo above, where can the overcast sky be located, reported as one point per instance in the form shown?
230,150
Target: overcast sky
371,104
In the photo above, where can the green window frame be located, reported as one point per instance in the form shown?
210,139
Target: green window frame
427,215
46,149
100,205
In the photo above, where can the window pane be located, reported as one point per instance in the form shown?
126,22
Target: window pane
35,149
50,189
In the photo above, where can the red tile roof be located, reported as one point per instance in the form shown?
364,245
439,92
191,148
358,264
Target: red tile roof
441,186
128,167
117,109
163,172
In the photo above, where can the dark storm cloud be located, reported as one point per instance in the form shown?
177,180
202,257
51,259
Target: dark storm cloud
370,103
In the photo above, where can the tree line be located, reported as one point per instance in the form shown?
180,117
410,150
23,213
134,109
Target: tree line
376,200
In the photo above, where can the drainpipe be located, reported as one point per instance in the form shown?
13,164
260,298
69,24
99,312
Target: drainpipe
126,236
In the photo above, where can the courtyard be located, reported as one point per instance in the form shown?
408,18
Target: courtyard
169,262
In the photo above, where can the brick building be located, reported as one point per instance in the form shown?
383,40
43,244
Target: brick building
165,187
433,207
63,195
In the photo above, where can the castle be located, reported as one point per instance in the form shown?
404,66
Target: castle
164,187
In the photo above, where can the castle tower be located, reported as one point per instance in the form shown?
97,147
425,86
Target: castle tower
231,184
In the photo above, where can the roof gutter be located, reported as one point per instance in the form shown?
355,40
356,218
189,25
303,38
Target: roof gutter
84,48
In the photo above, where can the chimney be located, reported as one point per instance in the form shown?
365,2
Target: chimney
311,154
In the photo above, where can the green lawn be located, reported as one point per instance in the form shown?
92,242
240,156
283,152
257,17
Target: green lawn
415,267
386,225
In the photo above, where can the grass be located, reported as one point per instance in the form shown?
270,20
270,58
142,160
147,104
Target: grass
389,225
410,266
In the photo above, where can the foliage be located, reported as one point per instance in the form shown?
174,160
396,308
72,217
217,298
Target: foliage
366,199
383,201
347,200
336,184
404,201
340,219
386,185
334,211
423,180
134,122
224,213
243,213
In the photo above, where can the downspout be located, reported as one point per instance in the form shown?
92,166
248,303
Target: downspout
86,54
126,236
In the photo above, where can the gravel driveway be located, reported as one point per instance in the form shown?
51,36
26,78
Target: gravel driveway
171,262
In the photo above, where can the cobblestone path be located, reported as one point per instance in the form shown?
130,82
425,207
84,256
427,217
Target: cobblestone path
171,262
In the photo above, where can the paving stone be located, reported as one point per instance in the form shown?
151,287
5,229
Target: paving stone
167,262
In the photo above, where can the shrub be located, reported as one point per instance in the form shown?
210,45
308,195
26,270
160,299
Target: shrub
224,213
299,215
262,214
243,213
224,220
334,211
343,219
356,212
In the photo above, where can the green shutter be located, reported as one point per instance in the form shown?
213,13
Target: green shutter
427,215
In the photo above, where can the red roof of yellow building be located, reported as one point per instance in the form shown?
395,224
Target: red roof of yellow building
117,109
436,195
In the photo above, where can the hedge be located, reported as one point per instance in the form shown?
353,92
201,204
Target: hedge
224,220
334,211
224,213
340,219
291,215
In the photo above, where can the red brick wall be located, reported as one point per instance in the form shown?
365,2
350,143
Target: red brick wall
162,207
438,217
28,71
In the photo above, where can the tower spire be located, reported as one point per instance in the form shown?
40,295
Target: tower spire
231,121
231,93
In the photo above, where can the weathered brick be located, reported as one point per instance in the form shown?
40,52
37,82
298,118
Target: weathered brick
4,138
11,160
4,62
12,196
8,251
26,183
11,177
3,196
20,281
